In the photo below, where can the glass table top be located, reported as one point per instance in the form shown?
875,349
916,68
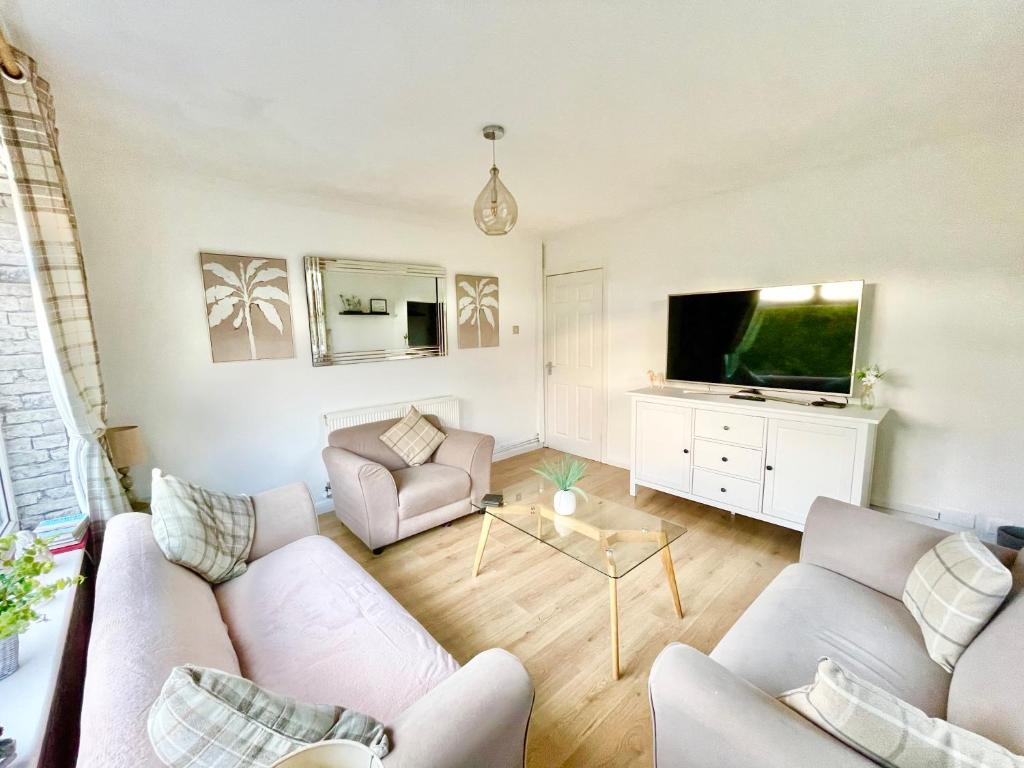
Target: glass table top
610,538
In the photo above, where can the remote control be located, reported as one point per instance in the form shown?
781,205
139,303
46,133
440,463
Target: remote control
755,398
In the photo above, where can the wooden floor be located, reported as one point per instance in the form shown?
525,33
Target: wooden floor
552,612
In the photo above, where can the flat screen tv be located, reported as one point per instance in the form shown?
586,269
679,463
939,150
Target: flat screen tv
795,337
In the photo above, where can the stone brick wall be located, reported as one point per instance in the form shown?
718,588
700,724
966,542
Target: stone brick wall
33,434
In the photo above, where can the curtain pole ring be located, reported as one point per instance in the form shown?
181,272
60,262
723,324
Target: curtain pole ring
9,66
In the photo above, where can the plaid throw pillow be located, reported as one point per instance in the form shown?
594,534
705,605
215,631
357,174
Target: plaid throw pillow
413,438
205,717
205,531
887,729
953,591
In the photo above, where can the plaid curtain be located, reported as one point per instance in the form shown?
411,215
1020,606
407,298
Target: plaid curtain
49,233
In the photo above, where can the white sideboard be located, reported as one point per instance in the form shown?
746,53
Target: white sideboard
765,460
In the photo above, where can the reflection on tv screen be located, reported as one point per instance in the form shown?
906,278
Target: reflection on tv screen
792,337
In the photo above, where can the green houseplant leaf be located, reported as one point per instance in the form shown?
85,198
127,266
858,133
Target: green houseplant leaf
21,589
564,474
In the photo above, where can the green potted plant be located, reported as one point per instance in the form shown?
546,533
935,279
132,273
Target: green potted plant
564,474
22,562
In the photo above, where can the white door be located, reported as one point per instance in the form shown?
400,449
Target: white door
574,365
805,461
663,445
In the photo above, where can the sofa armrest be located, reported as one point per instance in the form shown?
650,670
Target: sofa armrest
472,452
283,515
477,718
365,496
704,716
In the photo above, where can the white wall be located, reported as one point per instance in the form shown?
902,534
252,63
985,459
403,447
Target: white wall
937,232
249,426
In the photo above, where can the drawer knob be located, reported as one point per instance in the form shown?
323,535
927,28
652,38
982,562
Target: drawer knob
723,490
769,467
686,450
724,458
726,427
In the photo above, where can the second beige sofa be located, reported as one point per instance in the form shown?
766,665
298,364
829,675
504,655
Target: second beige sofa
381,499
842,600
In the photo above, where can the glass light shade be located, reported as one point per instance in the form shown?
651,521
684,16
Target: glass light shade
495,211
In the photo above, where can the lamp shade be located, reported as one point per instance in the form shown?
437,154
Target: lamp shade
126,446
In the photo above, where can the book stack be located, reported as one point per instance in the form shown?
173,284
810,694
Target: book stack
63,534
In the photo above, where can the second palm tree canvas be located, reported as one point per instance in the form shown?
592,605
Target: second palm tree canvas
477,300
247,307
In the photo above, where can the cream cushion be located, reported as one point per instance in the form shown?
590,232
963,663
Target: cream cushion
413,438
208,532
217,720
953,591
887,729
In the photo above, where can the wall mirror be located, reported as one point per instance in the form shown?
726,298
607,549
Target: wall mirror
362,311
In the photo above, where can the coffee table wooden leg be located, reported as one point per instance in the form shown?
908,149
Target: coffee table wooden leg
670,572
613,599
613,608
483,543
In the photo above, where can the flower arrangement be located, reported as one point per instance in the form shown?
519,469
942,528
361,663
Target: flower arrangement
868,378
564,474
23,559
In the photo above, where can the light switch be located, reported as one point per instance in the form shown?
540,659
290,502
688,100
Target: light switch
515,330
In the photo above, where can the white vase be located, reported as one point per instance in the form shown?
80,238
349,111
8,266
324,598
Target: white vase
565,502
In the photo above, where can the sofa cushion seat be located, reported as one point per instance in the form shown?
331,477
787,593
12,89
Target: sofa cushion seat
808,612
428,487
150,617
307,621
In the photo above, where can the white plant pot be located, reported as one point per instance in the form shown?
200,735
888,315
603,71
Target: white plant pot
565,502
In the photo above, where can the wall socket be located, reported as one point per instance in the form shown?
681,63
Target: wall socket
327,491
958,518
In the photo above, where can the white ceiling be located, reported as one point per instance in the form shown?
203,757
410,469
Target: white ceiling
610,107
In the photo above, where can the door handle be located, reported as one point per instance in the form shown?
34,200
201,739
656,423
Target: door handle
548,367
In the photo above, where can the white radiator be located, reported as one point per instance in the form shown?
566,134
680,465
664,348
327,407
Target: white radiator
445,408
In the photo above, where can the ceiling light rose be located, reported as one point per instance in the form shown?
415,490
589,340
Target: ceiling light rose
495,211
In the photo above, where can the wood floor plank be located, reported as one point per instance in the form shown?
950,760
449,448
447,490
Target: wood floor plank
552,612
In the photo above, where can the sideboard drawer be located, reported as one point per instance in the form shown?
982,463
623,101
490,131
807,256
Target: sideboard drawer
728,459
727,490
730,427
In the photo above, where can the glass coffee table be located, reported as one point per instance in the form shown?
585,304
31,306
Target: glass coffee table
611,538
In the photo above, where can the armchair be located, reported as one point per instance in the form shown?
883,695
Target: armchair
382,500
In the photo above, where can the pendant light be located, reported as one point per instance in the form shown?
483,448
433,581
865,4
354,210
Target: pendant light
495,211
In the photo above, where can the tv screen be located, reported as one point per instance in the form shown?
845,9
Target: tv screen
799,337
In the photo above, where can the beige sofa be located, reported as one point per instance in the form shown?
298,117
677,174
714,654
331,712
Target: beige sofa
843,600
304,620
381,499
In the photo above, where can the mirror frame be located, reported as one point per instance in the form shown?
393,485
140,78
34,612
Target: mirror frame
315,265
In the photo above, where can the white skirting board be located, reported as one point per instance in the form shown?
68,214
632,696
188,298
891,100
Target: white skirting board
508,450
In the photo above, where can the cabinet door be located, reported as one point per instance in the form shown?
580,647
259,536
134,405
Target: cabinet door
663,435
806,460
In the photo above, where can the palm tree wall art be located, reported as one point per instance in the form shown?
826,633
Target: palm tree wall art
247,307
477,301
